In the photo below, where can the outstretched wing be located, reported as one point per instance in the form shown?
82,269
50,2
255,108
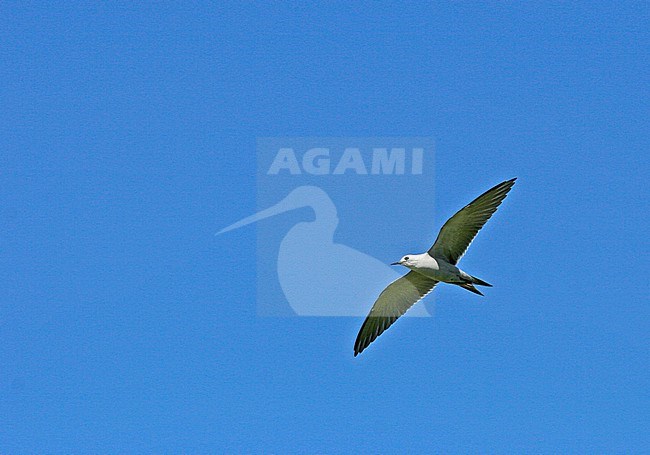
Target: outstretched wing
393,302
459,230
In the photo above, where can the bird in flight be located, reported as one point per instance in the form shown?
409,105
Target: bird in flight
434,266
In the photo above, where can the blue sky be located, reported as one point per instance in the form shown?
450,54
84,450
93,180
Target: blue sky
128,138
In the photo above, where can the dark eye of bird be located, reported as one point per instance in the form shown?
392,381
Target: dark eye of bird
406,258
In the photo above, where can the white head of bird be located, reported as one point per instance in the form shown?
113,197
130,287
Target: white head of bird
410,260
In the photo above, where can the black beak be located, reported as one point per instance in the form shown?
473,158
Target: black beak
395,263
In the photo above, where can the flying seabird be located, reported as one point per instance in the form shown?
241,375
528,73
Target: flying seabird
436,265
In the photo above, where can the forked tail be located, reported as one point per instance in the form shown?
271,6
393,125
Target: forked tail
469,285
480,282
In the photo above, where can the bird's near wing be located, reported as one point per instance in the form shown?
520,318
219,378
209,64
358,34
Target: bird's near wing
393,302
459,230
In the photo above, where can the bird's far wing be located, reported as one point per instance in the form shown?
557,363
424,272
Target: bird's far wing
459,230
393,302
